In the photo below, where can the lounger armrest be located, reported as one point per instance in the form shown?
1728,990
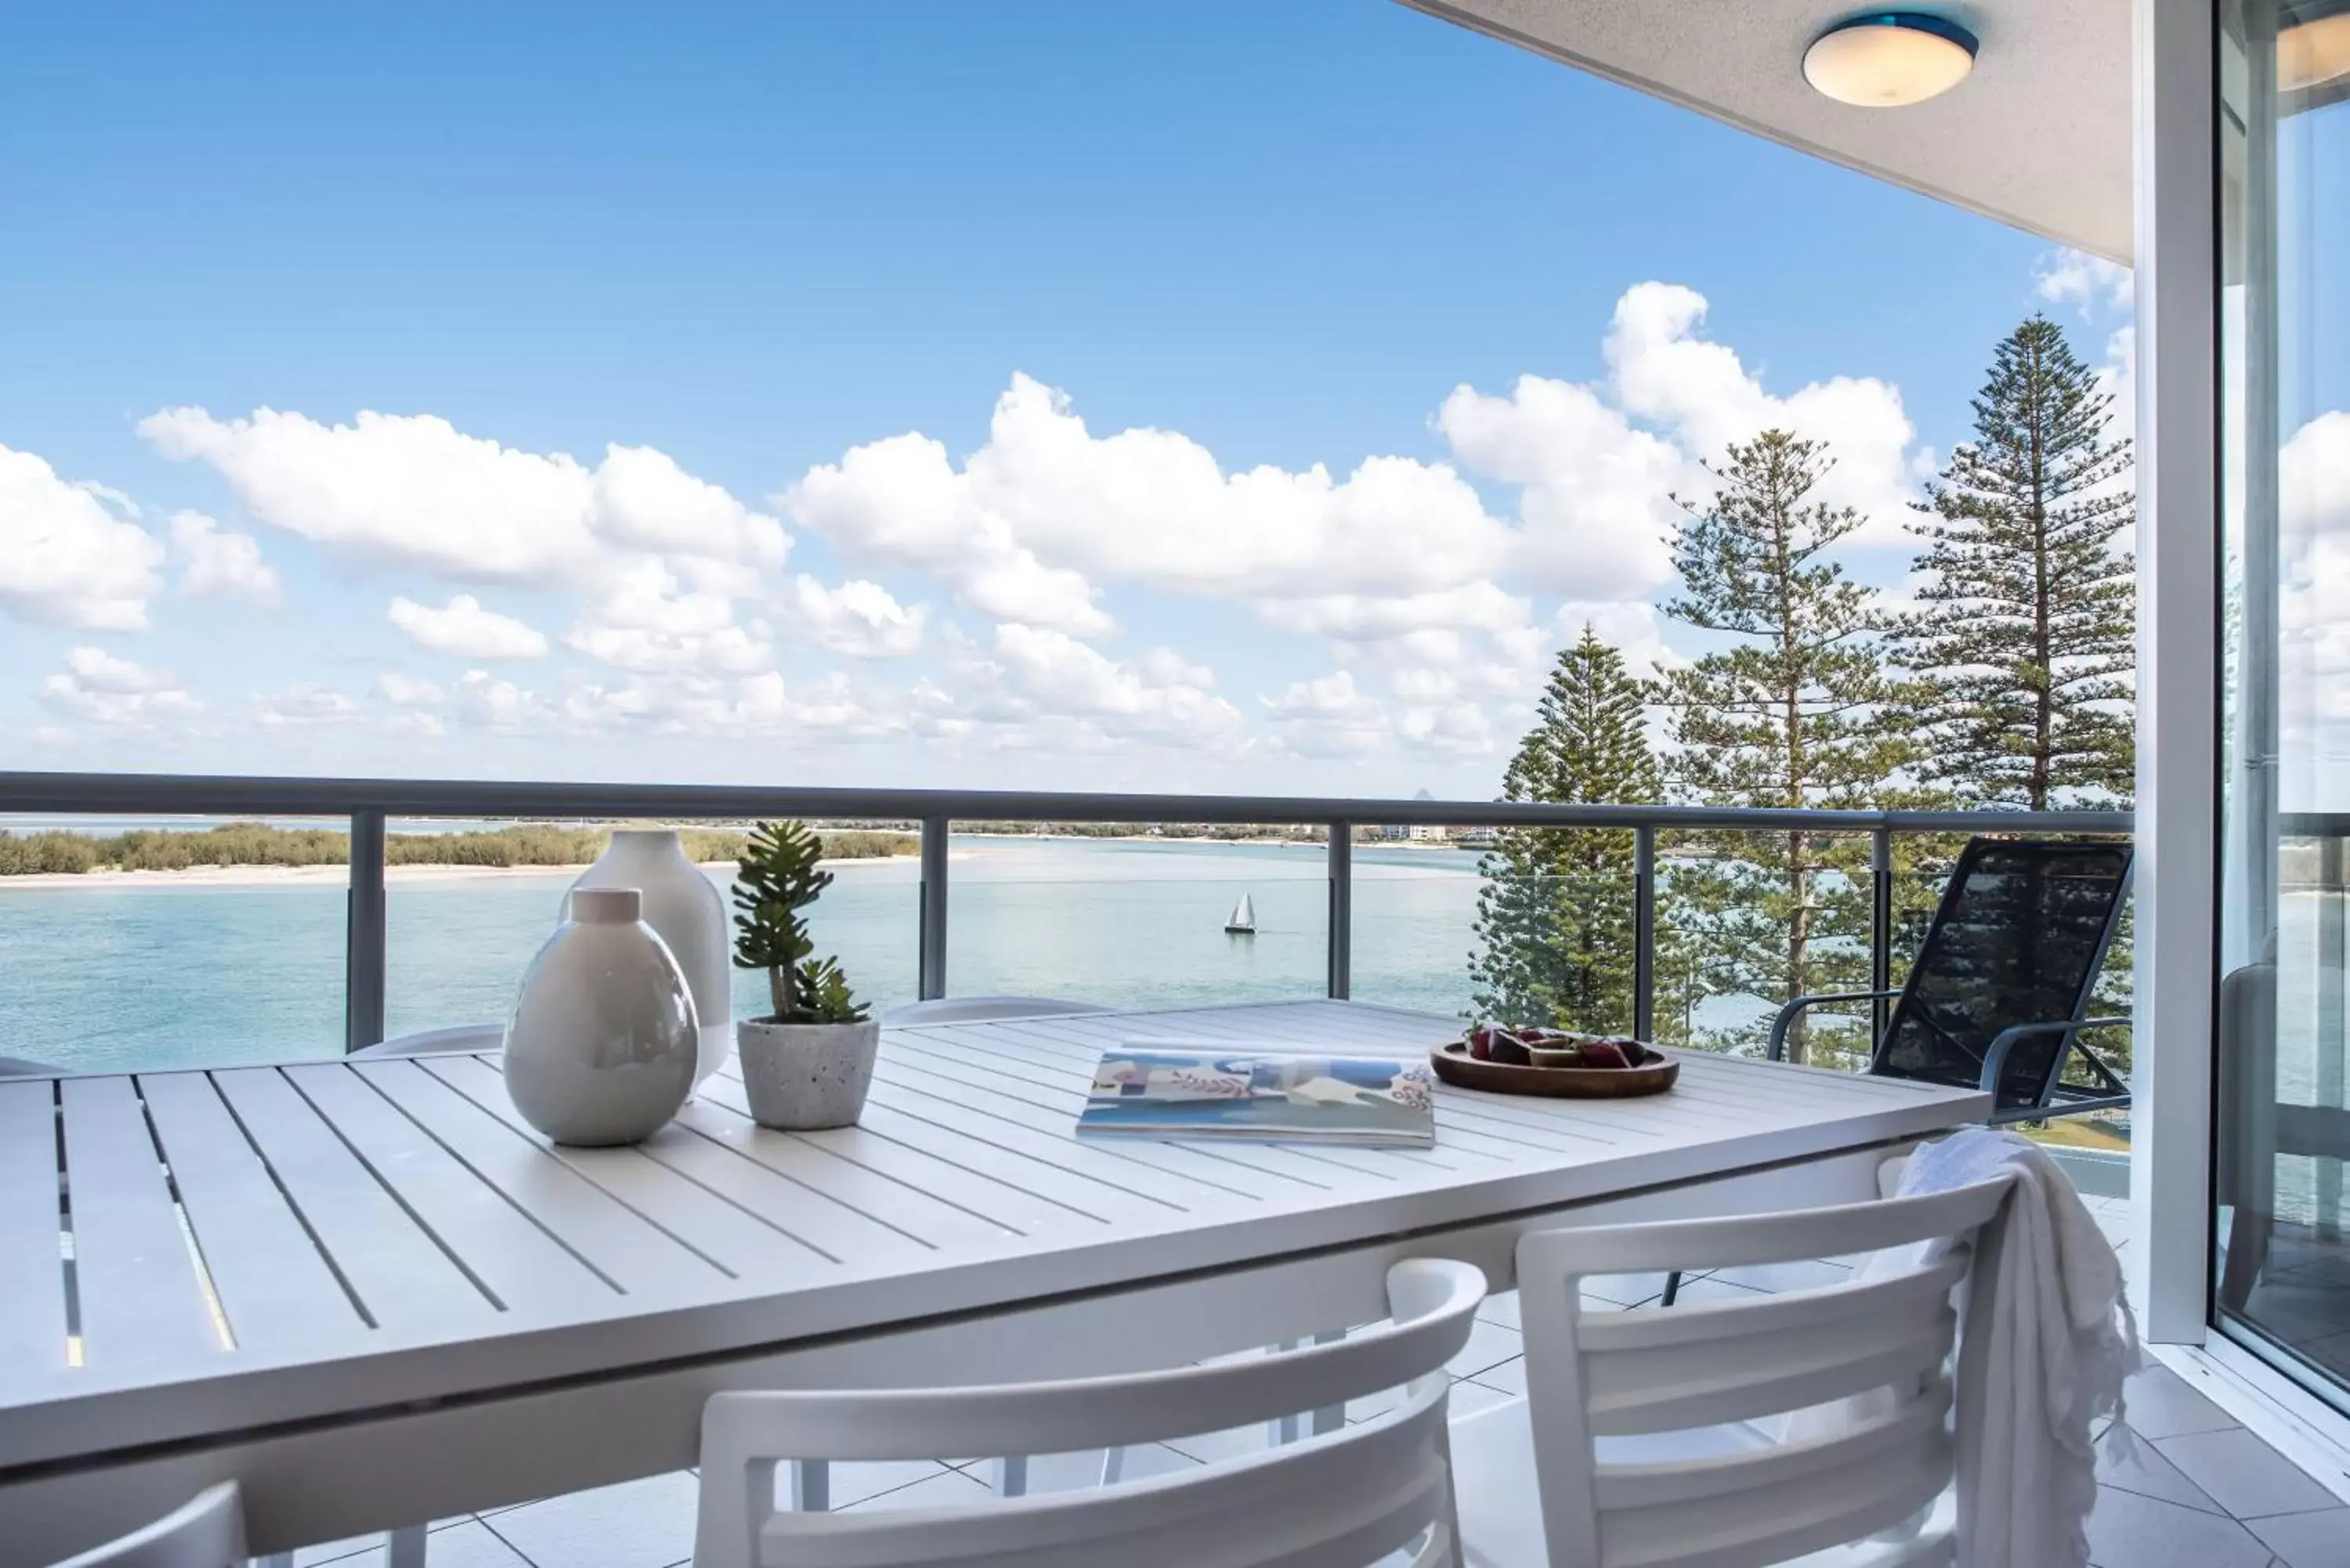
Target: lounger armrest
1995,1059
1778,1050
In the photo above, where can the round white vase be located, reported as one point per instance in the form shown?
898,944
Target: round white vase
689,914
604,1042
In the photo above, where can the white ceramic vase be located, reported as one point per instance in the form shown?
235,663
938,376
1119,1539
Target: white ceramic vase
689,914
604,1042
805,1075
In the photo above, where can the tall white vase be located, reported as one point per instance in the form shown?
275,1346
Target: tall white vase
682,906
602,1045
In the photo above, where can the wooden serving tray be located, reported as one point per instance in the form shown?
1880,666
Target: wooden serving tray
1654,1076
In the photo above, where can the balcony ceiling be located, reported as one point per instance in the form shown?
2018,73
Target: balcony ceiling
2038,137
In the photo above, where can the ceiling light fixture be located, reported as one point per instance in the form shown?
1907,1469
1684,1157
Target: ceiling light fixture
1889,59
2314,53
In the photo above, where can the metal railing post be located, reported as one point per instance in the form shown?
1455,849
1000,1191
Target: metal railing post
930,964
1880,930
1342,910
364,936
1643,933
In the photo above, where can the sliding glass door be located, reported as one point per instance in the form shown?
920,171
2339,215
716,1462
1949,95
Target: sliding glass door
2281,1265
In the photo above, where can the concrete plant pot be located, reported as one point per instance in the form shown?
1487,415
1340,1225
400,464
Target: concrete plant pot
803,1076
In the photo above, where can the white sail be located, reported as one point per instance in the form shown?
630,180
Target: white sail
1244,918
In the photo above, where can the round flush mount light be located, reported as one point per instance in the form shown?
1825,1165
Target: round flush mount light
1889,59
2313,54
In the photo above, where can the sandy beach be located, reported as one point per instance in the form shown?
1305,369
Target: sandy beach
326,876
968,846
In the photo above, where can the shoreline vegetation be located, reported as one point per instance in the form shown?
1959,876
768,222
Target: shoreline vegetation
244,844
61,858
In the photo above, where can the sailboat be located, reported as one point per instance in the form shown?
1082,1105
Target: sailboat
1244,918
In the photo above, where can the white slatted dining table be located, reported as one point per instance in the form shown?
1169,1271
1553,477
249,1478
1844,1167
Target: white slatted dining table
368,1291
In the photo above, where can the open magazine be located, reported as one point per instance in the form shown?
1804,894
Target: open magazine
1224,1089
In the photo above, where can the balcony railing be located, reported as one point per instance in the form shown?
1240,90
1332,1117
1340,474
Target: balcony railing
371,804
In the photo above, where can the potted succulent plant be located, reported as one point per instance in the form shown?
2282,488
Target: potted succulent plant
808,1063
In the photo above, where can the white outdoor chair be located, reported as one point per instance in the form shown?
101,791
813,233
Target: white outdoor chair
26,1067
425,1042
206,1532
1639,1442
969,1009
1344,1500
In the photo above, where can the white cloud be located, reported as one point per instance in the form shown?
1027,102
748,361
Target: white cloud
759,705
486,702
1045,510
858,618
650,622
305,704
111,693
1367,616
1329,716
2313,477
2092,284
1456,731
1164,696
900,502
1153,506
409,691
2117,377
1593,489
726,647
217,566
1631,627
1662,370
95,670
464,629
414,491
64,556
642,498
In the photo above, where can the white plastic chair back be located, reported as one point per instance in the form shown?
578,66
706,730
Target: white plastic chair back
1706,1364
967,1008
207,1531
424,1042
1343,1500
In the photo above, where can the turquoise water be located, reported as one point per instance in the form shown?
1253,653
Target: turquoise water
115,977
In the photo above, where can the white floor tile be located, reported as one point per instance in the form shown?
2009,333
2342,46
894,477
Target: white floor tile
1467,1398
1209,1446
463,1544
1625,1289
1501,1307
2132,1532
2146,1472
1077,1472
1713,1288
945,1489
2318,1539
1798,1276
637,1524
1509,1377
854,1480
2244,1475
2160,1404
1488,1344
363,1548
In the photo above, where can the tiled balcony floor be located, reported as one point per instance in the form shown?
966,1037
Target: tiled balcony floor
2195,1491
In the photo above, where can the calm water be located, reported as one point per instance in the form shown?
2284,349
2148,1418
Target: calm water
161,975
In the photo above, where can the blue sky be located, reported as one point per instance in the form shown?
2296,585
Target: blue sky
743,243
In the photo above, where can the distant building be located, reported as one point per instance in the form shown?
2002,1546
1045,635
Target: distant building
1414,832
